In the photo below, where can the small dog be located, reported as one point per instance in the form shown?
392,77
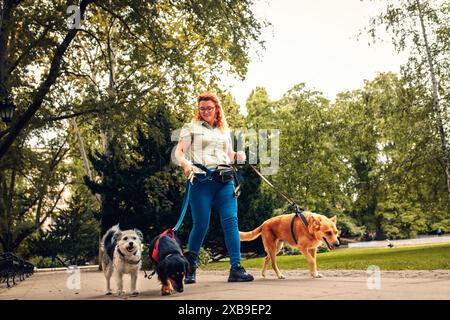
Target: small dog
277,230
171,265
122,254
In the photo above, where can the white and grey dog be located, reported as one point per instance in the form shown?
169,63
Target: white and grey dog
122,255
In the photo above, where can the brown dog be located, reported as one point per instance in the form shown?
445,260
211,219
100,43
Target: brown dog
277,230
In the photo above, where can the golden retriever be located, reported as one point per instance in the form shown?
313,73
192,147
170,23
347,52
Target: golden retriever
277,230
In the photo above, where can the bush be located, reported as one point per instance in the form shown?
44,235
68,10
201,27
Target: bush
348,228
44,262
289,251
204,257
146,261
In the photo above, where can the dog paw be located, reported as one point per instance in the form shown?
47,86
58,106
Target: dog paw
317,275
280,276
135,293
166,292
120,292
108,293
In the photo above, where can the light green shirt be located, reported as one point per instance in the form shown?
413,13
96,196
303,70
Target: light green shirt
209,145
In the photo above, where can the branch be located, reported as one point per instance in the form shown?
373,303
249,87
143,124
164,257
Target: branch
83,75
40,194
98,42
44,88
122,20
4,132
26,52
76,114
55,203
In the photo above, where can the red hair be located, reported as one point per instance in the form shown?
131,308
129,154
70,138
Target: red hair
219,116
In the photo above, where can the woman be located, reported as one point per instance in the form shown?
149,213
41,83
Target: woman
209,144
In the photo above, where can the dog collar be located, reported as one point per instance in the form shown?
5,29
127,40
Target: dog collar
124,257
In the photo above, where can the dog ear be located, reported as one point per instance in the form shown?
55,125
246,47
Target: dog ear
314,222
117,235
333,219
317,222
139,233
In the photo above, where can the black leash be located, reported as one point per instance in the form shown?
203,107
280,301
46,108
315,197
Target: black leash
295,207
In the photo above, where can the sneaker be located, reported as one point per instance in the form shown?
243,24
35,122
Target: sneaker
238,274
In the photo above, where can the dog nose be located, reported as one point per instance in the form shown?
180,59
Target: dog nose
336,244
130,244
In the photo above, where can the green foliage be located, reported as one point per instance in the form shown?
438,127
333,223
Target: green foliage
204,257
147,263
425,257
72,238
144,187
371,157
44,262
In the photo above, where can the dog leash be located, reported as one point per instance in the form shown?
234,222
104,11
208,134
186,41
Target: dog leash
185,204
297,209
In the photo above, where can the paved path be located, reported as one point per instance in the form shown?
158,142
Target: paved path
336,284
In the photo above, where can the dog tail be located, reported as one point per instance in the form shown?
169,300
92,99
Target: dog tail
251,235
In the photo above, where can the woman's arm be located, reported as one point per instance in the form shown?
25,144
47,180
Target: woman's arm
240,155
180,152
231,153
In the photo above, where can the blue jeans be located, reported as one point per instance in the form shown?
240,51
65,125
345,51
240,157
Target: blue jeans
205,195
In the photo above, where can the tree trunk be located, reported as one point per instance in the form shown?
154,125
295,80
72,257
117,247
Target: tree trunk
88,173
436,101
107,134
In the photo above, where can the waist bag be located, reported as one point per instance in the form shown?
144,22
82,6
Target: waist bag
223,173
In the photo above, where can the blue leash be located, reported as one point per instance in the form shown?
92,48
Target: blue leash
185,204
208,176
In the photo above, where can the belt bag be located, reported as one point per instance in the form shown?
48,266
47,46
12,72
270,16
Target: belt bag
223,173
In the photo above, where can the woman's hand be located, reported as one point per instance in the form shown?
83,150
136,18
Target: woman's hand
187,169
240,155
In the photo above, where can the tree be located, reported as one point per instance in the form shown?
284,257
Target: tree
387,141
72,237
37,180
145,187
109,70
180,40
424,28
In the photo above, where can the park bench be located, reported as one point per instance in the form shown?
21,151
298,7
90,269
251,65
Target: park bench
12,266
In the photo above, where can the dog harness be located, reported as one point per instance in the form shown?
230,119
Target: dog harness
298,213
156,247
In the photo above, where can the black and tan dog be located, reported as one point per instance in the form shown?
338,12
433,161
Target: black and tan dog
171,265
305,236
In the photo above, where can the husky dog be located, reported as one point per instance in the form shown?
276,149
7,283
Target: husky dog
122,254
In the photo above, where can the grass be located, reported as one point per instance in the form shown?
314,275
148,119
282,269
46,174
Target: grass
423,257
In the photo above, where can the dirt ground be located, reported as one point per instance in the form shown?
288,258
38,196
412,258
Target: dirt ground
212,285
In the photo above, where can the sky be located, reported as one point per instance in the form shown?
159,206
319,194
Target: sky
316,42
